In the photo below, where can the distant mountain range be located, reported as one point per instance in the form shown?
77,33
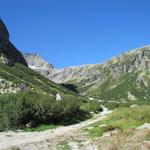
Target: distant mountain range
125,77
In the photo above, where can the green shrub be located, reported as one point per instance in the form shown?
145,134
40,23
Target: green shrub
91,106
17,110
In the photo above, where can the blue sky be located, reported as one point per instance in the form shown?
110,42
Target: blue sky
75,32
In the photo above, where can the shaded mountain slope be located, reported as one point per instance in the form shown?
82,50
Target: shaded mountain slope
8,53
14,73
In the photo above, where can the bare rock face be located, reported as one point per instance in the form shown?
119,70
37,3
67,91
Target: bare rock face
138,59
9,55
38,64
4,34
116,67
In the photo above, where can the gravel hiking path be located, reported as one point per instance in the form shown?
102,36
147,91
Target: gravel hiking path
16,139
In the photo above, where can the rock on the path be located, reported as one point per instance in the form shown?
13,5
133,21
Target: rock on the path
144,126
73,145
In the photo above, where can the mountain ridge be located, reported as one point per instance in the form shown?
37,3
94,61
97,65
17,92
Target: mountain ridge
37,63
91,78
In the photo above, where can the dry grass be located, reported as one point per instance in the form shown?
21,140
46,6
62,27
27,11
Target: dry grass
129,140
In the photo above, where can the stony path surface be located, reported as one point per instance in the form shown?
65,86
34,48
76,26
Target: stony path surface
11,139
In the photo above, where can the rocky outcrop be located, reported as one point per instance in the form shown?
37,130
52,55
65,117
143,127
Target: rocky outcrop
9,55
8,87
38,64
74,73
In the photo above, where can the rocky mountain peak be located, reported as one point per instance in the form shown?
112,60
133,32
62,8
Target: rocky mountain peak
4,34
37,63
9,55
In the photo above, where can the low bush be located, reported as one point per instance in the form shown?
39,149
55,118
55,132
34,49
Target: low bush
91,106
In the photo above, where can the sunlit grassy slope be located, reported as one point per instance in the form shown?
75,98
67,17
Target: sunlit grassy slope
122,119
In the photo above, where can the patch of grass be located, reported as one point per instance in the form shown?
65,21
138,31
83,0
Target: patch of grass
127,103
122,119
15,148
63,145
21,75
118,89
41,128
91,106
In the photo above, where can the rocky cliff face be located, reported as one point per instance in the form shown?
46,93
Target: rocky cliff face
8,53
117,66
38,64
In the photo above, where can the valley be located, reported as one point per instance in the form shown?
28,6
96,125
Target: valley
125,77
89,107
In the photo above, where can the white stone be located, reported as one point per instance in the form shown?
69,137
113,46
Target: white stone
91,98
58,97
102,125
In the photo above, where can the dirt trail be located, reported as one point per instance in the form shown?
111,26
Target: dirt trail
11,139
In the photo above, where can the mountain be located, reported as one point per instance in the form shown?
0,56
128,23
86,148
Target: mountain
28,98
38,64
125,77
16,76
8,53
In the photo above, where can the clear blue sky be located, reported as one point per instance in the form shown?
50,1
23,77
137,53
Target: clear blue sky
75,32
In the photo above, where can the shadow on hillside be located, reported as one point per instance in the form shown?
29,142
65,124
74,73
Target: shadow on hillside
71,87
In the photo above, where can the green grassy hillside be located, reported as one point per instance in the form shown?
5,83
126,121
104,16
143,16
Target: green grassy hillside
131,86
122,119
21,75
